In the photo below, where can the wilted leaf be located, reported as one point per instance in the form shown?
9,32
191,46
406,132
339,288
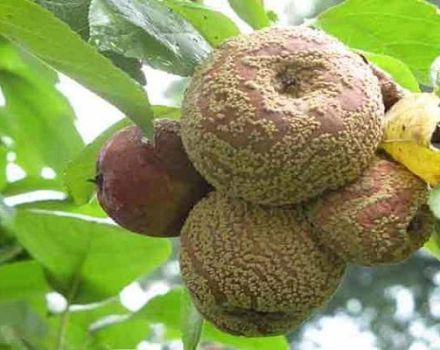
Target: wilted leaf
412,135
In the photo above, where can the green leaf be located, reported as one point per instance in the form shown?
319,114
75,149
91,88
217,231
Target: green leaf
83,168
435,75
433,245
149,31
3,164
396,68
252,12
214,26
120,334
273,16
166,309
74,12
98,326
52,41
88,259
9,251
434,201
131,66
32,183
92,208
24,281
20,327
408,30
35,110
192,323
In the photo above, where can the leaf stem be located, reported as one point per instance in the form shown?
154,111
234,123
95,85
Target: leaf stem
64,319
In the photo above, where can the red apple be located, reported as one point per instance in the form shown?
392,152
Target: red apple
148,187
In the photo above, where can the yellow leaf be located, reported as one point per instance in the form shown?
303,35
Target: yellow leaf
412,135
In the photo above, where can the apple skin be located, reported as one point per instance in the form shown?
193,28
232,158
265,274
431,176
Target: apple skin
391,91
148,187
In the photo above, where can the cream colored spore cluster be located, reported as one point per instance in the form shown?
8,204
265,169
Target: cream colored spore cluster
285,124
380,218
281,115
254,270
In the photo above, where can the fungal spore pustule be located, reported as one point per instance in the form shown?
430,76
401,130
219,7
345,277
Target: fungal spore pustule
281,115
254,270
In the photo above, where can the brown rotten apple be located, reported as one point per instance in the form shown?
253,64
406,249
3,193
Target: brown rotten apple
391,91
254,270
382,217
148,187
281,115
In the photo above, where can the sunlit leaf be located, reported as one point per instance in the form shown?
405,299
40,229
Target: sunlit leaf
214,26
92,208
98,327
88,259
408,30
24,281
396,68
252,12
32,183
68,53
20,326
36,112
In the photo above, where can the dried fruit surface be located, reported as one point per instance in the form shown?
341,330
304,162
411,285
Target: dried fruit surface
391,91
255,270
148,188
281,115
380,218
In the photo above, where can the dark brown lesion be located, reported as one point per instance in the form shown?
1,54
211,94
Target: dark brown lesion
435,138
421,226
286,83
255,314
